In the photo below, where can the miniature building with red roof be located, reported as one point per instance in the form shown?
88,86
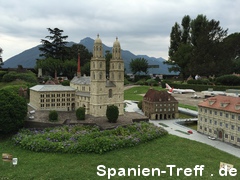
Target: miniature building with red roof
159,105
219,117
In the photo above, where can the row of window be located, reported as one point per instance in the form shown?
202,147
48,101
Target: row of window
83,88
227,115
56,95
221,124
164,109
57,100
165,105
226,136
232,127
54,105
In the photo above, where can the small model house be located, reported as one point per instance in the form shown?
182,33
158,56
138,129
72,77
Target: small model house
159,105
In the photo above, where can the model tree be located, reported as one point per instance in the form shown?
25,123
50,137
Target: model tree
13,111
139,65
112,113
196,47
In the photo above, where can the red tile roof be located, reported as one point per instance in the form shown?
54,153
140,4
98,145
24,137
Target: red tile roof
224,103
156,96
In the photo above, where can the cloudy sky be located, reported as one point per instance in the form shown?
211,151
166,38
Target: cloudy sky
142,26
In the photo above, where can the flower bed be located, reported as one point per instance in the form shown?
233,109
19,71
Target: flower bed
79,139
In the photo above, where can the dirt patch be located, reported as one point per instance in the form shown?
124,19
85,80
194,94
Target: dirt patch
69,118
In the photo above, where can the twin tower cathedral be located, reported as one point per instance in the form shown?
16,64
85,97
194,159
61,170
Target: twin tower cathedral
98,91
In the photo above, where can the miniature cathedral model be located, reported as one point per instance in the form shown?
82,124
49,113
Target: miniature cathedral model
94,92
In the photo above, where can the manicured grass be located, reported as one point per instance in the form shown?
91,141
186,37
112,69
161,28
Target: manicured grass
194,108
136,93
182,132
155,154
164,125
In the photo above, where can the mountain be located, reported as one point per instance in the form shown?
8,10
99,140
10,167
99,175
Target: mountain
28,58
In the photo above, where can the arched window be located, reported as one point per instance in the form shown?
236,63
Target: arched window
100,75
93,75
119,66
100,64
110,93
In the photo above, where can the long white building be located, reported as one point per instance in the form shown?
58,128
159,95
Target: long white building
219,117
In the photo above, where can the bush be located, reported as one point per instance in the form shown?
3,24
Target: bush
151,82
140,105
65,83
13,112
140,82
112,113
2,73
126,81
228,80
53,116
80,113
199,81
12,76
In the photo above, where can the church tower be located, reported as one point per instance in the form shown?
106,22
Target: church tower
98,80
116,71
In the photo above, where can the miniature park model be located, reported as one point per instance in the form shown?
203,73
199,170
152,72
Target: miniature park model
218,116
93,92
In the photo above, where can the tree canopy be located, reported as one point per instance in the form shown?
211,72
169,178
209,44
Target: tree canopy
197,47
139,65
13,111
55,47
61,59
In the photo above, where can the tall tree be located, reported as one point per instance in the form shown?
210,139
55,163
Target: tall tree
194,47
55,47
207,37
139,65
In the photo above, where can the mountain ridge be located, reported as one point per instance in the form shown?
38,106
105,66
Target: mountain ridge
28,58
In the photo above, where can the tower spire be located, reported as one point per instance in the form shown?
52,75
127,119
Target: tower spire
79,66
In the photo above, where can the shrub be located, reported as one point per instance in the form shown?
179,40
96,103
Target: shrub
199,81
112,113
151,82
65,83
80,113
13,112
228,80
28,77
53,116
126,81
2,73
140,105
140,82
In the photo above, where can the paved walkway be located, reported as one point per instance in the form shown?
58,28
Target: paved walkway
173,126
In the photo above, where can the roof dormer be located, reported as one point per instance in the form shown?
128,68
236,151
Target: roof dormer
224,104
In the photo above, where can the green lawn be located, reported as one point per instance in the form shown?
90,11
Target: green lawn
135,93
155,154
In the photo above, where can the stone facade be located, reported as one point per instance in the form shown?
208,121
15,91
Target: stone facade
97,91
159,105
219,117
52,97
